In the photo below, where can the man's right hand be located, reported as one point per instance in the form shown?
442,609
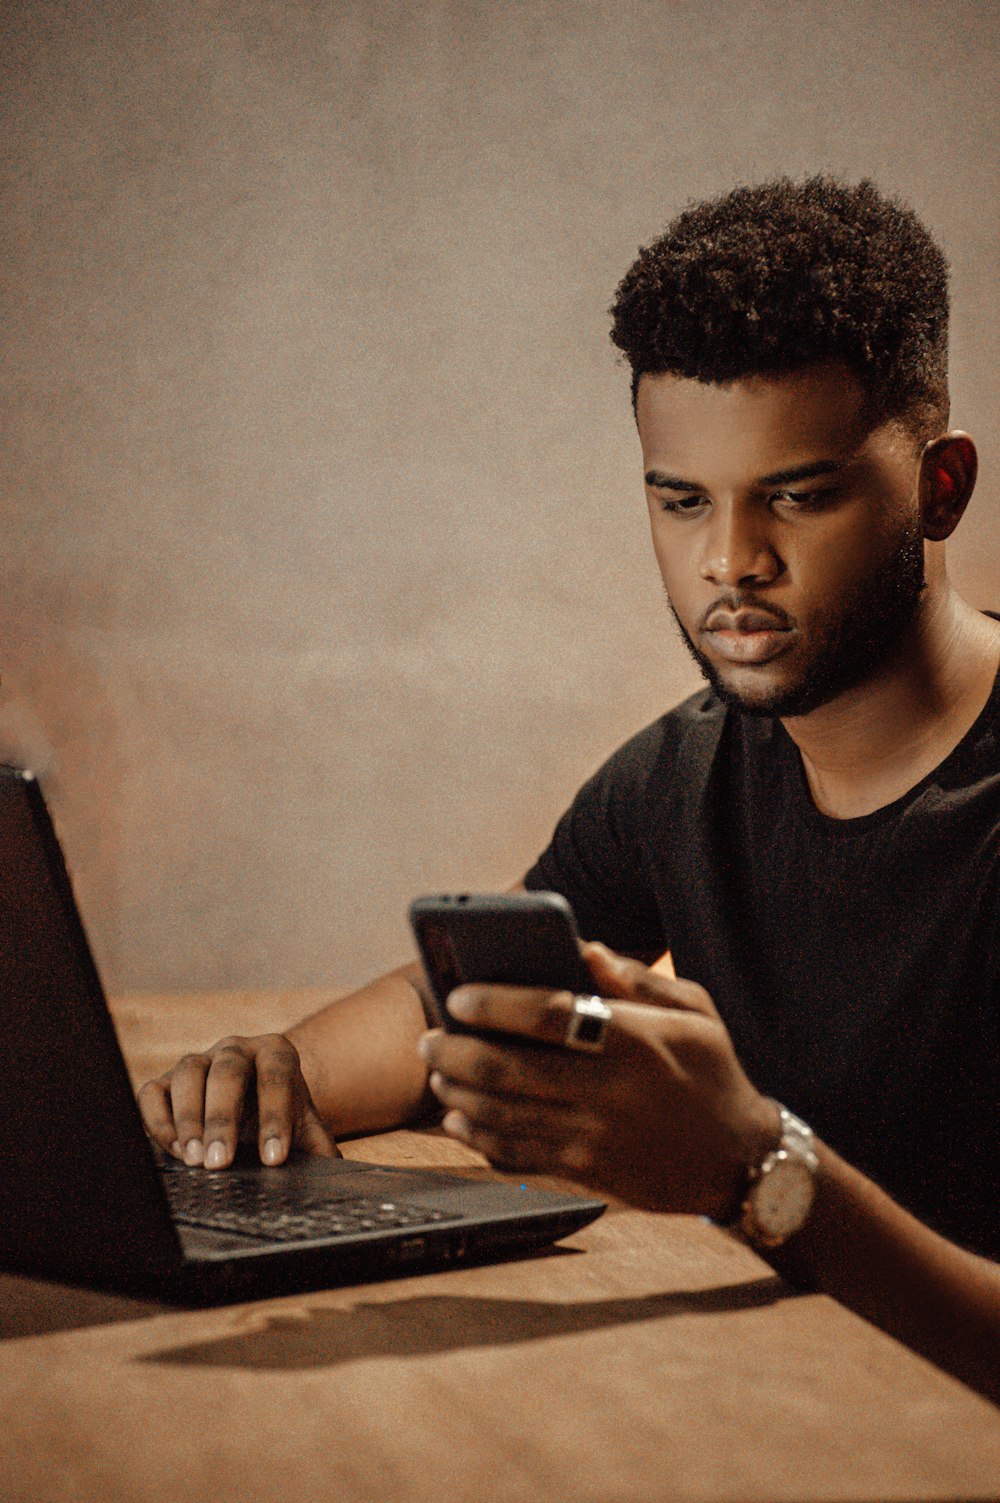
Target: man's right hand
239,1088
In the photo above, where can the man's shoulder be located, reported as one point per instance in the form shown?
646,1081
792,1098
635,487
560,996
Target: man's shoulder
701,714
687,733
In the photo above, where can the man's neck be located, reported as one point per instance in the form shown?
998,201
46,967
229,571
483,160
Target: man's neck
872,744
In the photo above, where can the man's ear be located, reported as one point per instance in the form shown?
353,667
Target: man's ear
948,469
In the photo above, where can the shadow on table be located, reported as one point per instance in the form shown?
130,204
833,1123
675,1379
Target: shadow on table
31,1307
423,1325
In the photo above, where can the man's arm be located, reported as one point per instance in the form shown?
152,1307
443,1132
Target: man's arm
664,1118
359,1055
352,1067
861,1247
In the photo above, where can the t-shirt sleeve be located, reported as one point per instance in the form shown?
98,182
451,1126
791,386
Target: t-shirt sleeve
597,856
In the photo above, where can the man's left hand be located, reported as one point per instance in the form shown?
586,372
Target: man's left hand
662,1117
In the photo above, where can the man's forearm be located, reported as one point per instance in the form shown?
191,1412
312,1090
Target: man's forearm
861,1247
359,1055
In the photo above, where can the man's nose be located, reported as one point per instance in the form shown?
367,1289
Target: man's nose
738,550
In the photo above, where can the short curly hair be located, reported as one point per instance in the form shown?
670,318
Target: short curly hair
771,278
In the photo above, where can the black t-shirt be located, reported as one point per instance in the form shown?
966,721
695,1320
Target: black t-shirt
856,962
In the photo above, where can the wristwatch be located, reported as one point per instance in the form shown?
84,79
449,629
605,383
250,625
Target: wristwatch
782,1188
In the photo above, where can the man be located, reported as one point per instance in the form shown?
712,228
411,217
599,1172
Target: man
815,838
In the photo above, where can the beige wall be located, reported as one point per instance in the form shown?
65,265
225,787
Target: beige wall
325,573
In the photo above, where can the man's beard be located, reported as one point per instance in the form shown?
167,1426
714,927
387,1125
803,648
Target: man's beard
848,649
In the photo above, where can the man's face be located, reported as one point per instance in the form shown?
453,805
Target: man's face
786,529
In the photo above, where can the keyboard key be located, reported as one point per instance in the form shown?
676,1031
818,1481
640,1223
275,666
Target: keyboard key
228,1202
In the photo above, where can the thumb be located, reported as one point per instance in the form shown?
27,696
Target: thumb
618,975
312,1137
630,980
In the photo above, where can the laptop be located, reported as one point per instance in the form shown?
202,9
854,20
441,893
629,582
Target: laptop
86,1198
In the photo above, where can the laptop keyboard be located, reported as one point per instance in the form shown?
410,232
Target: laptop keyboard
227,1201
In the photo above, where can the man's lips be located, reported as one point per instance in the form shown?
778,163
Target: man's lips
747,636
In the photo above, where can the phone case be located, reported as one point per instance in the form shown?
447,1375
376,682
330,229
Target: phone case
513,939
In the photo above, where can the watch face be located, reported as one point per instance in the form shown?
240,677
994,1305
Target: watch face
781,1198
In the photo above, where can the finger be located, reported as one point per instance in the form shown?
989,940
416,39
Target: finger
529,1011
516,1157
229,1075
313,1136
187,1103
511,1071
157,1118
505,1116
280,1089
618,976
524,1151
285,1110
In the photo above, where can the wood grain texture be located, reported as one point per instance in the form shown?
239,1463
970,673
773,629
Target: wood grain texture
649,1358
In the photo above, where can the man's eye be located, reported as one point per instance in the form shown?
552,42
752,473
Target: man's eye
803,498
680,505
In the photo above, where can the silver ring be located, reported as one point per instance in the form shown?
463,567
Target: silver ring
588,1023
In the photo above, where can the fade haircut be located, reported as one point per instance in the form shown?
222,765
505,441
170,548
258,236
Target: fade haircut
768,279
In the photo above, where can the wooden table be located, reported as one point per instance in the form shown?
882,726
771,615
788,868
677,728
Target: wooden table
652,1358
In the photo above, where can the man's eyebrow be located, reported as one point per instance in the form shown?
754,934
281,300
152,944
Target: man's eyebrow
802,472
670,482
818,467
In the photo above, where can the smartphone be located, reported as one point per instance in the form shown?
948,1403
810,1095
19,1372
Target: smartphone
513,939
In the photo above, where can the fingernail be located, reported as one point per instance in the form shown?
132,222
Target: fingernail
461,1004
215,1155
457,1123
424,1046
435,1080
271,1151
175,1148
194,1152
